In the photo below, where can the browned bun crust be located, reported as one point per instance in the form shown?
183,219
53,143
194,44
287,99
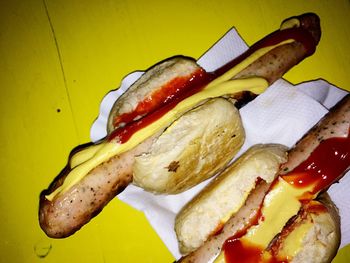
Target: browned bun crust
192,149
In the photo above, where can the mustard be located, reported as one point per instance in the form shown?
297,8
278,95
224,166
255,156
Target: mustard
290,23
294,241
280,204
84,155
220,258
86,160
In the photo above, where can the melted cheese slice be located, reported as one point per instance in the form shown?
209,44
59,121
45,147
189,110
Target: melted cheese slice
86,160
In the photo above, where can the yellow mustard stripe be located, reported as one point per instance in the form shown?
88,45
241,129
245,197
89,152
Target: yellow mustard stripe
290,23
84,155
280,204
245,63
294,241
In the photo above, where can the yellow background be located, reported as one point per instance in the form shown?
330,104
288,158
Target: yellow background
58,58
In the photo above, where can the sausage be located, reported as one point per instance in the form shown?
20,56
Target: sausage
69,212
273,65
65,214
334,124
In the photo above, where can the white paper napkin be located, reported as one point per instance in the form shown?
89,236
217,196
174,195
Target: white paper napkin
282,114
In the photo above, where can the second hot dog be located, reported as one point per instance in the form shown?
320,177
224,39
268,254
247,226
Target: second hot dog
274,220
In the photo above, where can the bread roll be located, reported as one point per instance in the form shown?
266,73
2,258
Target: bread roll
149,83
312,236
209,211
195,147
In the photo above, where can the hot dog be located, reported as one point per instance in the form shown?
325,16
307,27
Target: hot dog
203,217
96,173
319,159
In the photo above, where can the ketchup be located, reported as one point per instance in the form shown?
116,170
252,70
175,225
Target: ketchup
193,86
239,251
161,97
323,167
242,251
197,82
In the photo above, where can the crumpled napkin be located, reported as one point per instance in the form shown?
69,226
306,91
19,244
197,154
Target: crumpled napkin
282,114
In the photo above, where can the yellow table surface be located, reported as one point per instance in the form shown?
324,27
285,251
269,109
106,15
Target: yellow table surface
58,58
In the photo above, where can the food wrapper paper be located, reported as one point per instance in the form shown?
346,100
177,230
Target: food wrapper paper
282,114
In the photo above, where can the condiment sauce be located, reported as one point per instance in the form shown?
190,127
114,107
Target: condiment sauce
193,86
197,82
308,207
165,94
315,207
298,34
238,251
323,167
242,251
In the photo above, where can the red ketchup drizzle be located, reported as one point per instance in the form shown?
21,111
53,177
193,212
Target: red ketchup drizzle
237,251
196,83
161,97
193,86
323,167
315,207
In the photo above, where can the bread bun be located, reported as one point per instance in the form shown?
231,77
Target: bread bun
312,236
195,147
149,83
226,194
